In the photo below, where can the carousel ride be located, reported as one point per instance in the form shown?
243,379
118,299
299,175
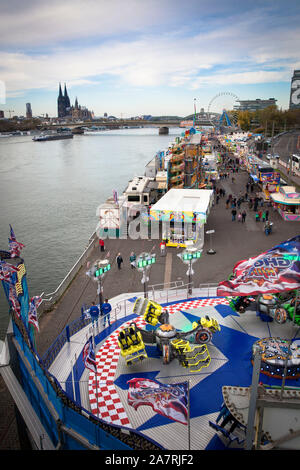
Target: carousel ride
189,348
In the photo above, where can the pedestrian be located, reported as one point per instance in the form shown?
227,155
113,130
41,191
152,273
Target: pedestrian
267,215
257,217
162,248
264,216
217,199
227,203
101,244
105,312
244,214
94,312
132,259
239,217
233,213
119,260
259,214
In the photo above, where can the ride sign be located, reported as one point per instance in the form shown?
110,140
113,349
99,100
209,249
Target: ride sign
276,270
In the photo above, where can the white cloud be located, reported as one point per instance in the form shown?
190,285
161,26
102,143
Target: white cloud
141,46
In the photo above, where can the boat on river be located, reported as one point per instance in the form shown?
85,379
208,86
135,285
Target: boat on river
44,136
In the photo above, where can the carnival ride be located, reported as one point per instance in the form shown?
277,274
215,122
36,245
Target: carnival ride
240,303
281,308
189,348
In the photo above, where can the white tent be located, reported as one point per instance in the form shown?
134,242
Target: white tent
184,202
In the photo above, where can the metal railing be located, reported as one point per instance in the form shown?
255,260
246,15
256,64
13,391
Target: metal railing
52,297
177,290
159,292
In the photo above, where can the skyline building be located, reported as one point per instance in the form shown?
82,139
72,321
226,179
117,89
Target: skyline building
66,110
28,111
295,91
254,105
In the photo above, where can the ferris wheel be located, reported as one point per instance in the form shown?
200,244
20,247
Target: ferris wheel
221,109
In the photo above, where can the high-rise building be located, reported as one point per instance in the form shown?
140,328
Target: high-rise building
254,105
28,111
295,90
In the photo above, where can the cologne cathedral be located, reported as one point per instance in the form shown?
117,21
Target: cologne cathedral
65,110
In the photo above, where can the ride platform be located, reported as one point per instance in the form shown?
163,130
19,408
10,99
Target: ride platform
105,394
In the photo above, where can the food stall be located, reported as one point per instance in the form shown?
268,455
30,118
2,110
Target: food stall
287,202
183,213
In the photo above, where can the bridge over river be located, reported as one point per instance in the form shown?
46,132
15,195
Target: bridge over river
201,120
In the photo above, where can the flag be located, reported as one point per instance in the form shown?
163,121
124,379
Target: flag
115,196
275,270
34,303
15,304
170,401
15,247
89,358
6,270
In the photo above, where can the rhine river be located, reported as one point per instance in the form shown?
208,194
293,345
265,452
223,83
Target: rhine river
50,191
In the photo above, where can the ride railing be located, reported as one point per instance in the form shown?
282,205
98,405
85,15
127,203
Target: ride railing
119,312
179,290
160,293
68,425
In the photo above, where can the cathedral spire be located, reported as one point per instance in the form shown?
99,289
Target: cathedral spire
67,99
60,92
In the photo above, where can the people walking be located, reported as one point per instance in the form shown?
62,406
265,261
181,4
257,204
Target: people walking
239,217
94,312
162,248
105,312
119,260
101,244
233,213
244,214
132,259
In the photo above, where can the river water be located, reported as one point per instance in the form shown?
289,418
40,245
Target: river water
50,191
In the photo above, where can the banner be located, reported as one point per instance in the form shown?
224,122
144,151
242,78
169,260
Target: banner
170,401
276,270
89,358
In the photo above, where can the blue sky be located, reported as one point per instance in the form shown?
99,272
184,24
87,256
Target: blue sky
146,56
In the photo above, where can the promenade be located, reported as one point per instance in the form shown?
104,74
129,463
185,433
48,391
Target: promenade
232,242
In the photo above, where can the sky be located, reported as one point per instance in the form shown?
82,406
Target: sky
135,57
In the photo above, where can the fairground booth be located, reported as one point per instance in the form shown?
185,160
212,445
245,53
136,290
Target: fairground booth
262,174
287,202
183,213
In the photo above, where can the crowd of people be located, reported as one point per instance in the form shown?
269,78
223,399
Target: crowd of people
246,201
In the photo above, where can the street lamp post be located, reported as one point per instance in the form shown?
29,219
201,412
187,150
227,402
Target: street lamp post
97,273
144,263
211,251
189,256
